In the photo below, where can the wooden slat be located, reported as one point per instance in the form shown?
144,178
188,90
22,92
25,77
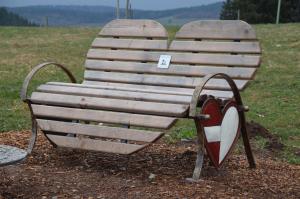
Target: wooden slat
118,94
153,108
134,28
185,70
216,46
140,44
183,58
95,145
160,89
217,29
98,131
129,87
189,82
144,88
103,116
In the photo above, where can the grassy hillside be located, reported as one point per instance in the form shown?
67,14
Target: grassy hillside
273,98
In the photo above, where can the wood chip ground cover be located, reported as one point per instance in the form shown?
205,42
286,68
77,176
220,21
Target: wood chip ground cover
58,173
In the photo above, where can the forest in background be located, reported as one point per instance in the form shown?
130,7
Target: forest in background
11,19
261,11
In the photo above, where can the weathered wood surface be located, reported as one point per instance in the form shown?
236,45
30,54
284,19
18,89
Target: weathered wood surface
129,87
217,29
178,58
115,94
138,44
216,46
95,145
134,28
144,88
160,80
42,111
99,131
185,70
131,106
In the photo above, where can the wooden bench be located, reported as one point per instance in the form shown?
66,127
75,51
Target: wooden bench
133,99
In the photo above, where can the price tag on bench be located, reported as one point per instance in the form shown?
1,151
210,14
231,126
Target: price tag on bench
164,61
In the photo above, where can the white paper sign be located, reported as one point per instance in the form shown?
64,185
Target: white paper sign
164,61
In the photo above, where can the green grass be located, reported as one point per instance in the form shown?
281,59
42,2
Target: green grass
23,48
274,97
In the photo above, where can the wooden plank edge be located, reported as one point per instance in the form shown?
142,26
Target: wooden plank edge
90,129
132,148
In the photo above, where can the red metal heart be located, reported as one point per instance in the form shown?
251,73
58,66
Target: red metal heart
216,128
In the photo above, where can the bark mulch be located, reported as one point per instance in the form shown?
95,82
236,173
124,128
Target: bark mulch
157,172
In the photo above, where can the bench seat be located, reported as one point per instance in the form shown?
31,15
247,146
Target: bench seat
127,91
118,106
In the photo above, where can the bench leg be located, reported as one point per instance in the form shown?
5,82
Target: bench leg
34,131
200,154
246,142
199,164
125,141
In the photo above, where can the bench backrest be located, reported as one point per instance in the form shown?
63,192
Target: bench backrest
127,52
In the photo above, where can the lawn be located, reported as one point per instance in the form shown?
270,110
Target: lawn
273,97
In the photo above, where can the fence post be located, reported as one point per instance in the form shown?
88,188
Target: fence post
127,9
118,9
46,21
130,11
278,12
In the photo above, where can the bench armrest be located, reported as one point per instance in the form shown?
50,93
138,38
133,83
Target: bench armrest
35,70
200,87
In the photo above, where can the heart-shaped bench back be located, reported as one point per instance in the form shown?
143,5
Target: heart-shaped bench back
229,47
127,52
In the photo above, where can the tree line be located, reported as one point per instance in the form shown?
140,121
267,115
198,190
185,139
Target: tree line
11,19
261,11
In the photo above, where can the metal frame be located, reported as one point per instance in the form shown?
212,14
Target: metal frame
192,114
198,117
26,99
32,73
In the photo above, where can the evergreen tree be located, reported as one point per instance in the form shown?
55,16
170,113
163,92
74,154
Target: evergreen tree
229,10
261,11
11,19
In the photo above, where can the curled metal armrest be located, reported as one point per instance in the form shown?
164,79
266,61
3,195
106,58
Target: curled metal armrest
35,70
200,87
24,98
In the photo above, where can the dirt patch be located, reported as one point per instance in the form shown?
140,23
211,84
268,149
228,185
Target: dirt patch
157,172
273,144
